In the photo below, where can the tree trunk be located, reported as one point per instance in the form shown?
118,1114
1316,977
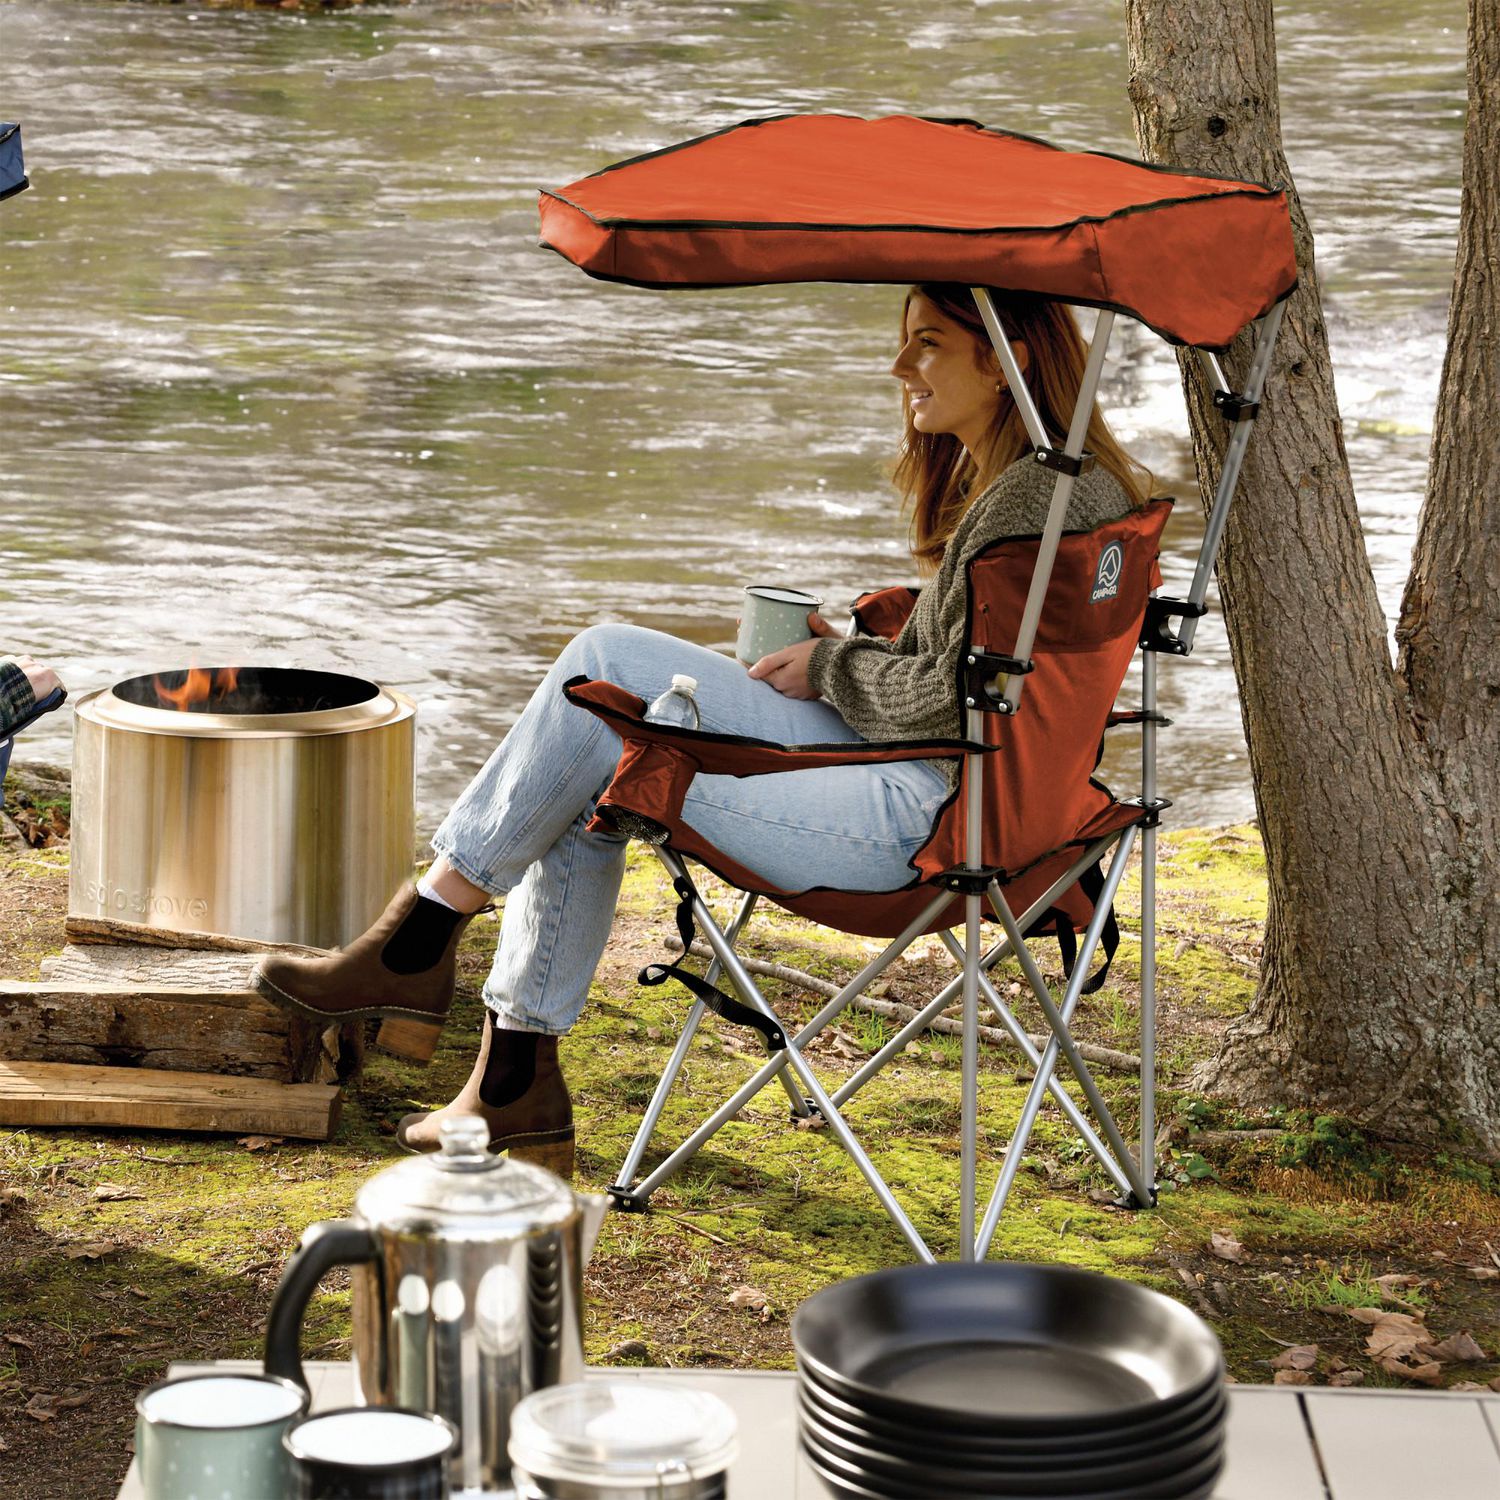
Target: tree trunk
1377,790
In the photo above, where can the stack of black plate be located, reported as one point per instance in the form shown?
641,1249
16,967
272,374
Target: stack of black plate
949,1381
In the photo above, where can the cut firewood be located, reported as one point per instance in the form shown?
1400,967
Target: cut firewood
60,1094
234,1032
107,930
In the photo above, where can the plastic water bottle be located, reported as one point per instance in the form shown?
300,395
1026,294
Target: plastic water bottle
677,705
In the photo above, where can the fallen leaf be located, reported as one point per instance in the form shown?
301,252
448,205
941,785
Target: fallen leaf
1395,1336
748,1296
1459,1349
1392,1286
1359,1314
91,1250
109,1192
12,1198
1483,1273
40,1408
260,1142
1347,1377
141,1292
843,1044
1423,1374
814,1121
74,1399
1298,1357
19,1340
117,1333
1226,1247
1495,1383
1468,1385
1292,1377
629,1349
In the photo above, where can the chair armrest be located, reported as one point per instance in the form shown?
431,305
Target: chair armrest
739,755
884,611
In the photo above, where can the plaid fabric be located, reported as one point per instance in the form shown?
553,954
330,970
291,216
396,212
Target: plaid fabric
16,698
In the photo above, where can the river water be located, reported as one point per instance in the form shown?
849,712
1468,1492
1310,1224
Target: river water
285,379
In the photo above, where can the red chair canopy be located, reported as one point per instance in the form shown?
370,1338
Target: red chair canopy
902,199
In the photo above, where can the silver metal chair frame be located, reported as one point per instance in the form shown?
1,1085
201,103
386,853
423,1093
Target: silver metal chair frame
1134,1174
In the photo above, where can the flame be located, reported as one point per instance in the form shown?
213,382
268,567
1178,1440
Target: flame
202,685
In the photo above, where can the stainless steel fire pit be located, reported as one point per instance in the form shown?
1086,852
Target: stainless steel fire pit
263,802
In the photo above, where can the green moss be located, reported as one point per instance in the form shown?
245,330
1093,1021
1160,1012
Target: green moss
764,1204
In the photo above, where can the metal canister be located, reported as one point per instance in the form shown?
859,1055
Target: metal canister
622,1439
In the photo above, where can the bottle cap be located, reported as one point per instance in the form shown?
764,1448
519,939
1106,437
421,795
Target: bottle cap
686,683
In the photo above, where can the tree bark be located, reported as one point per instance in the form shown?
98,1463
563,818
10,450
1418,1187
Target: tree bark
1377,789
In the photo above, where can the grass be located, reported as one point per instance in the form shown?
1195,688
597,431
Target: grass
189,1265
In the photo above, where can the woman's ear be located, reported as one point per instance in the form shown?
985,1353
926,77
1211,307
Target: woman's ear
1022,354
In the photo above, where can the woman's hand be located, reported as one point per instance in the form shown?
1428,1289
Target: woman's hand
786,670
43,679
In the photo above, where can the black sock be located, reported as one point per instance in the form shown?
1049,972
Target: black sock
510,1068
419,941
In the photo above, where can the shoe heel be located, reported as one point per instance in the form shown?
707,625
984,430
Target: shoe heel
411,1039
555,1156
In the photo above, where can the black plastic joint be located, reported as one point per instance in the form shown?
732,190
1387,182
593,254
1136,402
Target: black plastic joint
969,882
1156,630
1064,463
1132,1201
1236,408
982,688
626,1200
1152,810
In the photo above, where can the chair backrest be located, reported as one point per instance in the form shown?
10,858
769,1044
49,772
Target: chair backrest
1038,791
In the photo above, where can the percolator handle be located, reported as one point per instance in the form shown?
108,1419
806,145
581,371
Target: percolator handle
333,1242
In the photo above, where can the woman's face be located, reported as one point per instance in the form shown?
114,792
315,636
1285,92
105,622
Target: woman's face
950,379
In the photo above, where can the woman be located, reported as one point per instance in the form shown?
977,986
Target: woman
518,831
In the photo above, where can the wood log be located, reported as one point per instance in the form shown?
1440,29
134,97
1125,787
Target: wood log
59,1094
106,930
234,1032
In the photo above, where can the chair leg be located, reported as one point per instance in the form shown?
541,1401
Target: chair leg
1058,1020
668,1079
1064,1100
944,997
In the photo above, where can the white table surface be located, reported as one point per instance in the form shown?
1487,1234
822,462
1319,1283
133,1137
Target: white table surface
1285,1442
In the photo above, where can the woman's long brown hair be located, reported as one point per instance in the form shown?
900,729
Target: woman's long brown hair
937,476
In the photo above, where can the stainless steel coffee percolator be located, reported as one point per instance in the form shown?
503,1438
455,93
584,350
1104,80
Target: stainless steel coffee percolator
468,1290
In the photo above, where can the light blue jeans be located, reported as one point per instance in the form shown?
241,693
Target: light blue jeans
518,831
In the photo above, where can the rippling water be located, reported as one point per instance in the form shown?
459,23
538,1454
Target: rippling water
285,379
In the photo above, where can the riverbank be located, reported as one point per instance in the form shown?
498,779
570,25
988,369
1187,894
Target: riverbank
1292,1236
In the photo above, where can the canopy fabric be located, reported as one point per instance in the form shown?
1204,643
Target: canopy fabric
903,199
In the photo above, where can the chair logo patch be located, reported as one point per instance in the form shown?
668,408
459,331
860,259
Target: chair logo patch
1107,576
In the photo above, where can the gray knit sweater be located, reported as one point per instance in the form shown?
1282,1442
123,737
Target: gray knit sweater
905,689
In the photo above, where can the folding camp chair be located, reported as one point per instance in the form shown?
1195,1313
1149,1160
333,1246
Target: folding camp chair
1056,617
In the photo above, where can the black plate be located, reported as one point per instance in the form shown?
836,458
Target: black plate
1117,1438
1062,1457
1000,1348
1194,1483
941,1467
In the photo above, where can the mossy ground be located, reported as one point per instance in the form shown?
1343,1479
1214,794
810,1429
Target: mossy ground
99,1292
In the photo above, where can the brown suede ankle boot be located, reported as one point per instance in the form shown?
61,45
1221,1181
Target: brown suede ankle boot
517,1086
358,981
